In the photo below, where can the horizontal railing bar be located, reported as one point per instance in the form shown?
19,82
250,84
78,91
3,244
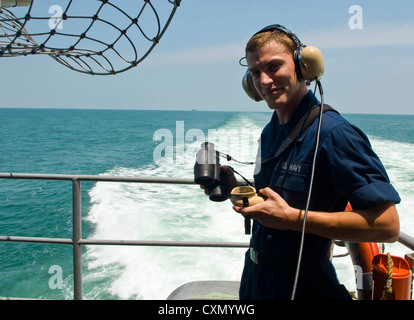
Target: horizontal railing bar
35,239
406,240
166,243
129,242
70,177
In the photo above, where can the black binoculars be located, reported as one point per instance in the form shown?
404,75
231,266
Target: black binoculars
207,172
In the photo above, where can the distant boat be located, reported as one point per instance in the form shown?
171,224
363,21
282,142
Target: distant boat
194,109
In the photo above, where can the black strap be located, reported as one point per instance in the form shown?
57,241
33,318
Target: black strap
303,123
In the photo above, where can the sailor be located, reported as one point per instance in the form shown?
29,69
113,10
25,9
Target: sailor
346,171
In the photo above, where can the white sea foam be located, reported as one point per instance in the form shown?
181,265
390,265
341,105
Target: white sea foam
397,158
166,212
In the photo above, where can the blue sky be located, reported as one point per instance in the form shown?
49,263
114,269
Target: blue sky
195,65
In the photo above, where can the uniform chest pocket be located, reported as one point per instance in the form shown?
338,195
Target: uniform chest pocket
295,177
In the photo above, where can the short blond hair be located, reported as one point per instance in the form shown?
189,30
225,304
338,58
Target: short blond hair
260,39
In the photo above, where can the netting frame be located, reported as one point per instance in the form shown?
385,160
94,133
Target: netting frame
15,40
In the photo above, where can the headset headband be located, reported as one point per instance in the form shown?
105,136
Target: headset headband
281,28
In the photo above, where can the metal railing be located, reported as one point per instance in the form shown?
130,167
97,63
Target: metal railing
77,241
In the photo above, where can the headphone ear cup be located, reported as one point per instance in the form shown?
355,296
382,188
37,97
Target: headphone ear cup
311,63
249,88
299,65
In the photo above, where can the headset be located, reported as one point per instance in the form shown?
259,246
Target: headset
308,62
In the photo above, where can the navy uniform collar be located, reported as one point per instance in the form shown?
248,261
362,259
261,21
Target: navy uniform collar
274,133
308,101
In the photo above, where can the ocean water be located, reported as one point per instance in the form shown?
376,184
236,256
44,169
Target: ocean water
143,143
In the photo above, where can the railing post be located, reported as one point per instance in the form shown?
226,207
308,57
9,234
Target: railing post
77,234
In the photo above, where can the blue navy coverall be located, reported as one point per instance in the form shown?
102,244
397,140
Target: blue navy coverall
347,170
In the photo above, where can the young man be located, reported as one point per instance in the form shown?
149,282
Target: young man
347,170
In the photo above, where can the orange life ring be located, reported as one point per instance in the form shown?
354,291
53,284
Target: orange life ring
362,254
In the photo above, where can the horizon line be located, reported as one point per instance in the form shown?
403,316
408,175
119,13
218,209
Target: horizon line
185,110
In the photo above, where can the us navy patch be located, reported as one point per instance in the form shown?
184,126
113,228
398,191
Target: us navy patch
297,168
